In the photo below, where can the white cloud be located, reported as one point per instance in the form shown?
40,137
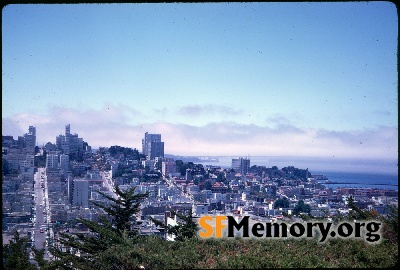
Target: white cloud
113,126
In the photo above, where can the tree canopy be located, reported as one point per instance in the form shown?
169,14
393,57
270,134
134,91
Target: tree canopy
16,254
301,207
281,203
86,250
185,229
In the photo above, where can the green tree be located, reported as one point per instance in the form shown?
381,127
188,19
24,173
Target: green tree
39,258
185,229
122,208
16,254
126,151
208,185
181,167
357,213
101,238
391,224
221,177
390,220
103,235
281,203
301,207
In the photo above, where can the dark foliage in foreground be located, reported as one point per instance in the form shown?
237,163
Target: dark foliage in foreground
16,254
155,253
115,245
185,229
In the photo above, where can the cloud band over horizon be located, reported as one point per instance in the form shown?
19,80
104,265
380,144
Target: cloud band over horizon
278,136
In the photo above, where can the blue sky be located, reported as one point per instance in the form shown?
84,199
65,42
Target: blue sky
292,79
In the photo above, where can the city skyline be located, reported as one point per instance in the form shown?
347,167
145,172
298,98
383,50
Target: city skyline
259,79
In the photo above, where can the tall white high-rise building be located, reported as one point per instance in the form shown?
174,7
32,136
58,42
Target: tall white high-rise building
152,146
30,140
168,167
52,162
81,193
64,162
241,165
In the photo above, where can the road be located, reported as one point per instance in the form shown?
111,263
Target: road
108,183
42,213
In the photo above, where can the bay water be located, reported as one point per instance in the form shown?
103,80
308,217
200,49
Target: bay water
346,172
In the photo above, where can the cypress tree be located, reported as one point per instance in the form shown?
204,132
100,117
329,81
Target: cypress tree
185,229
16,254
103,234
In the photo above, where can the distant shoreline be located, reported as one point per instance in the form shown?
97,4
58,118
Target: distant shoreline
315,165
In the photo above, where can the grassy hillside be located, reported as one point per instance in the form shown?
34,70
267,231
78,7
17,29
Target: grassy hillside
154,253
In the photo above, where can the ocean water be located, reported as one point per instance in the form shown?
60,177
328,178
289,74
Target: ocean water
372,173
364,180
